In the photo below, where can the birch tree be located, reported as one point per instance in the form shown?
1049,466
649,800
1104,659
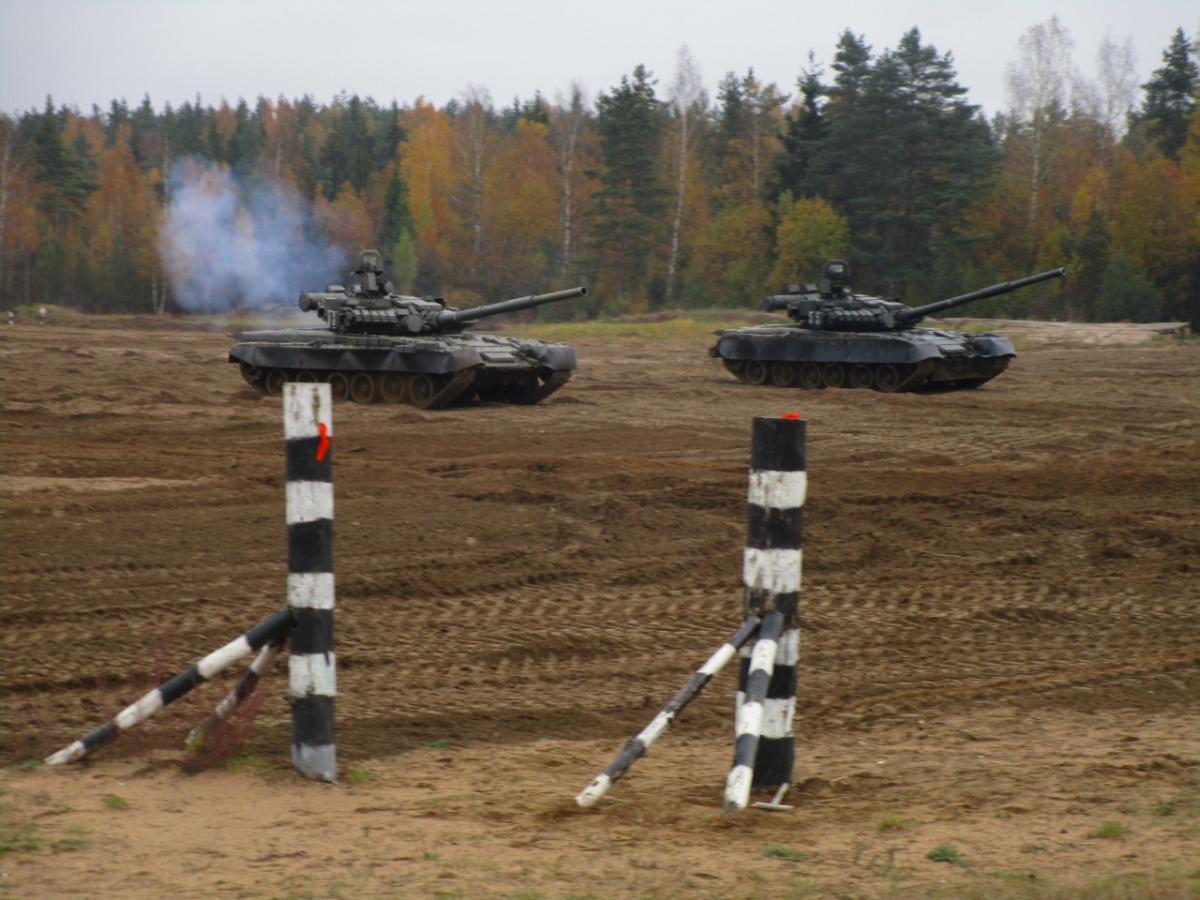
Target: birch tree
686,94
474,145
1117,75
1038,84
6,135
567,122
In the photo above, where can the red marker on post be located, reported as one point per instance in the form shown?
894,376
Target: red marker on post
323,443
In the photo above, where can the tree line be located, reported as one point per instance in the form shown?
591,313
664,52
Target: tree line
659,196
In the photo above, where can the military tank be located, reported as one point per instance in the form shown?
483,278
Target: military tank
382,346
838,338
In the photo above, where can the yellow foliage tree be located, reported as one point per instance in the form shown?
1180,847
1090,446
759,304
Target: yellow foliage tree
345,219
429,169
809,232
519,212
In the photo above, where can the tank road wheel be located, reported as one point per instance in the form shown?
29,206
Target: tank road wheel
859,377
252,375
835,375
887,378
306,377
783,374
756,371
363,388
339,385
809,377
274,382
393,388
421,390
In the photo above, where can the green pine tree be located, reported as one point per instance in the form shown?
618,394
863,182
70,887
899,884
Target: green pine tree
806,130
905,161
1171,96
629,203
397,217
1125,293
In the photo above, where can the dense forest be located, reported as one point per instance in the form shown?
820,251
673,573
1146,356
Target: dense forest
653,193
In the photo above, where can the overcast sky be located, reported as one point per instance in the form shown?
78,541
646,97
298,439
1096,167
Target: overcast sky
89,51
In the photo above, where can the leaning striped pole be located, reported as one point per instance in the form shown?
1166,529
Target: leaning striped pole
241,692
637,746
174,688
772,576
312,668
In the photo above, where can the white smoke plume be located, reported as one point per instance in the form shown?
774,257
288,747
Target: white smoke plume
240,242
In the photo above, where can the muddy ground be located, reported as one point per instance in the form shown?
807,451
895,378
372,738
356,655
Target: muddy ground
1001,630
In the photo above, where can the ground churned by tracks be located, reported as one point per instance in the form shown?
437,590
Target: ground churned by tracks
1001,628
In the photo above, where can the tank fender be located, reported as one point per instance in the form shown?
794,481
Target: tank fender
825,347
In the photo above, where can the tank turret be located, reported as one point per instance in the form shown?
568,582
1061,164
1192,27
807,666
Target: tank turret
371,307
837,338
832,306
383,346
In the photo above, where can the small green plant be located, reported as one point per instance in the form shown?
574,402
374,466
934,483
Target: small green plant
30,765
778,851
359,775
1164,808
896,823
1110,831
946,853
247,761
113,801
431,856
14,838
78,838
439,744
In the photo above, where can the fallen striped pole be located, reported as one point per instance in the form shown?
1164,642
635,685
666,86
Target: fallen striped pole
312,666
772,575
174,688
637,746
241,692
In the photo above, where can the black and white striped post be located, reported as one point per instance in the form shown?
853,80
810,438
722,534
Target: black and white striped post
174,688
764,754
312,669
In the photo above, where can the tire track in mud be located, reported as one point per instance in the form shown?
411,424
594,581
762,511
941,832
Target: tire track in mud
562,569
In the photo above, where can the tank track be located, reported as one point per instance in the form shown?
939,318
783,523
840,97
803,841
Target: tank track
424,391
928,375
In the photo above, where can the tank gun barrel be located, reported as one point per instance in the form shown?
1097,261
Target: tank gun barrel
919,312
452,317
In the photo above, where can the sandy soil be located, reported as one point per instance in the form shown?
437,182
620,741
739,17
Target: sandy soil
1001,630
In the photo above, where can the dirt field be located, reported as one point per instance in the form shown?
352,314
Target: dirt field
1000,650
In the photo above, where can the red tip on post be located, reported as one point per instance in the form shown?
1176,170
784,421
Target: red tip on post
323,443
791,415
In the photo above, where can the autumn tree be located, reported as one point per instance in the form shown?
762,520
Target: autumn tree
519,214
433,179
809,232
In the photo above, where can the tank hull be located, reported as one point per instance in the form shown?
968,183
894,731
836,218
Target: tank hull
906,360
431,372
